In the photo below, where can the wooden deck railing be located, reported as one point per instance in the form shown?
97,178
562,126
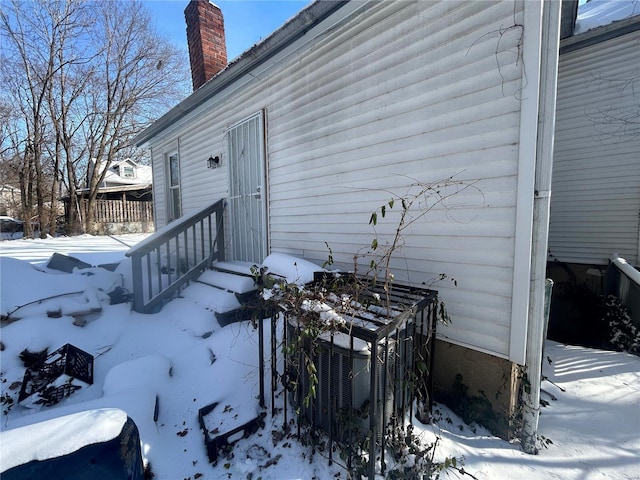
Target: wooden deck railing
164,262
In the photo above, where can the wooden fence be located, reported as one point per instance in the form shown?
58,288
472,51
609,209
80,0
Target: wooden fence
119,211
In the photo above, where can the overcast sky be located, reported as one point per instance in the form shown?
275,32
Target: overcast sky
246,21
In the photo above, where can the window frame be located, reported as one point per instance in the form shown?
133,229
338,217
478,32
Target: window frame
173,189
125,169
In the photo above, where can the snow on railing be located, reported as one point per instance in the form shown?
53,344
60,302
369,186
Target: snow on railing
624,267
623,281
164,262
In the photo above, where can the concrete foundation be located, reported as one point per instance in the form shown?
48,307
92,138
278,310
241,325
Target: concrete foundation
479,387
118,228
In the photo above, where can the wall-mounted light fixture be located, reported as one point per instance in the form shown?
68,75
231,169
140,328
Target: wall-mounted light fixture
213,162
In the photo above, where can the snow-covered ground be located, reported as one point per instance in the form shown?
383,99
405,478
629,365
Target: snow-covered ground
184,359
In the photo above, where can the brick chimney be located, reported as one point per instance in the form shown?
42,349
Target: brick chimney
205,36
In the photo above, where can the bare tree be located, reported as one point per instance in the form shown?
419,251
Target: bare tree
73,64
136,73
85,78
10,164
27,70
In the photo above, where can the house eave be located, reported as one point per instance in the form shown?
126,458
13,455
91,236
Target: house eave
600,34
261,52
119,188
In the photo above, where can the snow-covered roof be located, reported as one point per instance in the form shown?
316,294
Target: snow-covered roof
115,174
600,13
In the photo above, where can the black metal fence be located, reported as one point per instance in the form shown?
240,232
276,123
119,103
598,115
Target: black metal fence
358,382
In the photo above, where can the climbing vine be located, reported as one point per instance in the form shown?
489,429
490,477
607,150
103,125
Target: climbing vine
315,312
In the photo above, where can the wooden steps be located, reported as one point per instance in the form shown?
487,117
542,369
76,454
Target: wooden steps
228,289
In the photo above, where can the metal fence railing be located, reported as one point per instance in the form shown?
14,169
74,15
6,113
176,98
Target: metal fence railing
164,262
368,372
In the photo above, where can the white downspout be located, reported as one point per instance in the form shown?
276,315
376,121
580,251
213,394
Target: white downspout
541,211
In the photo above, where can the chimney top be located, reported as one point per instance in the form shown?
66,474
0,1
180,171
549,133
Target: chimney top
206,40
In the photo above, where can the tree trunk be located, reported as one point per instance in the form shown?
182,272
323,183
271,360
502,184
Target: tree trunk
26,189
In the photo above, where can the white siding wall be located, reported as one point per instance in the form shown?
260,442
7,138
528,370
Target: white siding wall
408,91
595,203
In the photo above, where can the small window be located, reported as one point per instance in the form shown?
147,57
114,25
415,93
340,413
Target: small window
128,172
174,209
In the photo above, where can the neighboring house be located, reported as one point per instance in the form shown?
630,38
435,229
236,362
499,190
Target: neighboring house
595,202
9,200
11,208
595,206
127,172
125,199
316,126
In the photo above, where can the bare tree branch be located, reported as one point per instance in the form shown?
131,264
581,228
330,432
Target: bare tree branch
82,79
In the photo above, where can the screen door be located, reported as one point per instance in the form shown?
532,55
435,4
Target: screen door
246,150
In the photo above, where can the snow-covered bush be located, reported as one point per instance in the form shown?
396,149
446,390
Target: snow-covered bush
624,335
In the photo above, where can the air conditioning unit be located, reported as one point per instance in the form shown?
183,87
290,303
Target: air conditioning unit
345,398
362,375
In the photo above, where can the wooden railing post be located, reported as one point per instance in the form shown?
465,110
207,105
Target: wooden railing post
138,287
220,231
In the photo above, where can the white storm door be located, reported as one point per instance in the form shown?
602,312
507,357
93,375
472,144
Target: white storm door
246,150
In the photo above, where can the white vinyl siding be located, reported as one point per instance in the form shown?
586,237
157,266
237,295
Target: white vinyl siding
595,203
406,91
410,92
